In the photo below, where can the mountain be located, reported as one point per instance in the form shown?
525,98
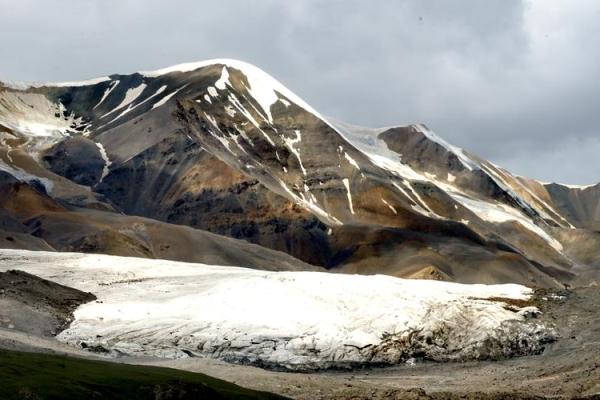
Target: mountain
220,146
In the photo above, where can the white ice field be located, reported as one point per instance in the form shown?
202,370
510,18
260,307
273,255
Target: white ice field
294,320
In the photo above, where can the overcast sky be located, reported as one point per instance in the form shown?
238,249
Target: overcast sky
517,82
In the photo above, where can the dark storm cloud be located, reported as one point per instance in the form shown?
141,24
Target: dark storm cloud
514,81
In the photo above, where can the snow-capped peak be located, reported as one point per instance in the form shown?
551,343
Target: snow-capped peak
263,87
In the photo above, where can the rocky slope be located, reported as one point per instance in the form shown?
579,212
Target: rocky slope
32,219
37,306
222,146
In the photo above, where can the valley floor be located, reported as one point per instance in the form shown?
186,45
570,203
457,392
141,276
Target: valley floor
44,376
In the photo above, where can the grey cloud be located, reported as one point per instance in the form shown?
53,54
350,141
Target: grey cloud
514,81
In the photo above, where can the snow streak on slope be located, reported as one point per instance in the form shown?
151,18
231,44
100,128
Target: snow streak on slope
367,140
290,144
112,86
24,176
165,99
132,107
298,320
130,96
464,159
502,213
107,162
349,194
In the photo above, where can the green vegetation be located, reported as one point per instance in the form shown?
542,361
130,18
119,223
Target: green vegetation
49,377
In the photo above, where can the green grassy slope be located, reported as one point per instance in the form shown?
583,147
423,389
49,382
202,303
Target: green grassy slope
44,376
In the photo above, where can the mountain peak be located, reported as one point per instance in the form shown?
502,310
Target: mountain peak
207,132
195,65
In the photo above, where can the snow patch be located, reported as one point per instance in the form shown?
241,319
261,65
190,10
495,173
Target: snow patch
290,142
112,86
223,81
469,163
230,111
107,161
34,116
390,206
351,161
240,107
24,176
166,98
212,91
347,186
130,96
420,204
310,205
499,213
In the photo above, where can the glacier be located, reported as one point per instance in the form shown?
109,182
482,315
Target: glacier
288,320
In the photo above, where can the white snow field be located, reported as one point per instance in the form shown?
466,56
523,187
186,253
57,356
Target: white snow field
293,320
